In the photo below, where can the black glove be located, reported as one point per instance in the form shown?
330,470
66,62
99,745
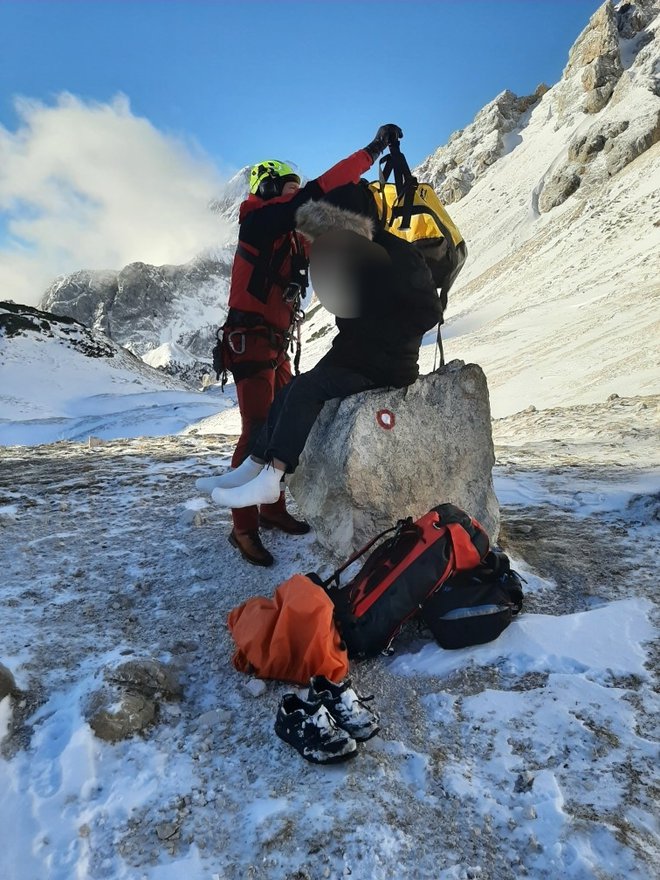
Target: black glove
386,135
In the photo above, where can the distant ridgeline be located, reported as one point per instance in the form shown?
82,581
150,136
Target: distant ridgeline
20,320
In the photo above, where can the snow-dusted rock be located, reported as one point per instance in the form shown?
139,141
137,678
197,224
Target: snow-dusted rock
129,702
120,720
142,306
453,169
7,682
377,457
632,18
148,677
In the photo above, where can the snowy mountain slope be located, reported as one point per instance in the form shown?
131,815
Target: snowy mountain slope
570,315
61,380
558,300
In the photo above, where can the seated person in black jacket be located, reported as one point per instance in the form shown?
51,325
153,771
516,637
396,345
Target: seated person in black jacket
384,290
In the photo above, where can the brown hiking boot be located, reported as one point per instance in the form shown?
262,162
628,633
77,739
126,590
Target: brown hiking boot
282,520
250,547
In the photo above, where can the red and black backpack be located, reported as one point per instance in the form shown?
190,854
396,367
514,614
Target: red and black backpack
401,573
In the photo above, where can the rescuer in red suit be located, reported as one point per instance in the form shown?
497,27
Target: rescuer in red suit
268,282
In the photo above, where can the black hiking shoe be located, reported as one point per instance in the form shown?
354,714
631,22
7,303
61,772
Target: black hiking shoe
311,730
345,706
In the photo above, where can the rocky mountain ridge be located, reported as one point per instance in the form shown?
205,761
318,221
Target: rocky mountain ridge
611,64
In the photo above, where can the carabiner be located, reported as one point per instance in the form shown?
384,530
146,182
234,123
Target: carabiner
230,342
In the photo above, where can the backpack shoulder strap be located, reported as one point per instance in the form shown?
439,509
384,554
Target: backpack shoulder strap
404,180
334,577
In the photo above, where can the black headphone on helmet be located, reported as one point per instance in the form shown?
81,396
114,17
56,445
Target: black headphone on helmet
271,187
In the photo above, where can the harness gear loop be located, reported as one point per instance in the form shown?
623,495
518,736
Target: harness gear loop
239,325
297,325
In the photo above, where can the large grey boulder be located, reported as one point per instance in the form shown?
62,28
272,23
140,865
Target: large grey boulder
357,476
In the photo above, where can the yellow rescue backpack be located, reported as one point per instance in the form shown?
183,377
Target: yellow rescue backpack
412,210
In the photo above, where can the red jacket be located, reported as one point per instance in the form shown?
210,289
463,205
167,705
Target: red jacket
267,241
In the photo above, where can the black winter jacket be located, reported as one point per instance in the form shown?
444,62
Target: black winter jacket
398,301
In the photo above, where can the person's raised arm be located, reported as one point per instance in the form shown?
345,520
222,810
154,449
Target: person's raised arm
277,216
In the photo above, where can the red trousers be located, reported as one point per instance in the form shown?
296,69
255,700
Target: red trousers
255,395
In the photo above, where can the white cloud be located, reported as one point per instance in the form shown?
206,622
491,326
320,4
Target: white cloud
91,186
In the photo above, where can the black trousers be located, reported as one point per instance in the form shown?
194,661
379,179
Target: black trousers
296,407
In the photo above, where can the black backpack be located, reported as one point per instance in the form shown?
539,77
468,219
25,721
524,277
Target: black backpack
474,607
400,574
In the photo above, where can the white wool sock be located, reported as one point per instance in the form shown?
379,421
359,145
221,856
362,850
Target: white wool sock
245,472
263,489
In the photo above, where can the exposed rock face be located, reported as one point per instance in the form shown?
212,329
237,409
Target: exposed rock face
453,169
612,74
595,58
564,182
357,476
632,18
142,306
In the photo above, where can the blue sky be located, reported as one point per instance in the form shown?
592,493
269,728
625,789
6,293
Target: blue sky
308,81
119,120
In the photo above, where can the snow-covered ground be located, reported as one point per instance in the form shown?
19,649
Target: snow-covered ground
535,755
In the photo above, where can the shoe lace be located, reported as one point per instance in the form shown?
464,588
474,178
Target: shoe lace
324,723
351,699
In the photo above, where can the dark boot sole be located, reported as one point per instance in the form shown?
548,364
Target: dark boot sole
327,759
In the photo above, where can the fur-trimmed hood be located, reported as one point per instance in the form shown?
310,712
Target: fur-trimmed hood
315,218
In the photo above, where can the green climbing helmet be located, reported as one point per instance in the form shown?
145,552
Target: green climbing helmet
267,178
